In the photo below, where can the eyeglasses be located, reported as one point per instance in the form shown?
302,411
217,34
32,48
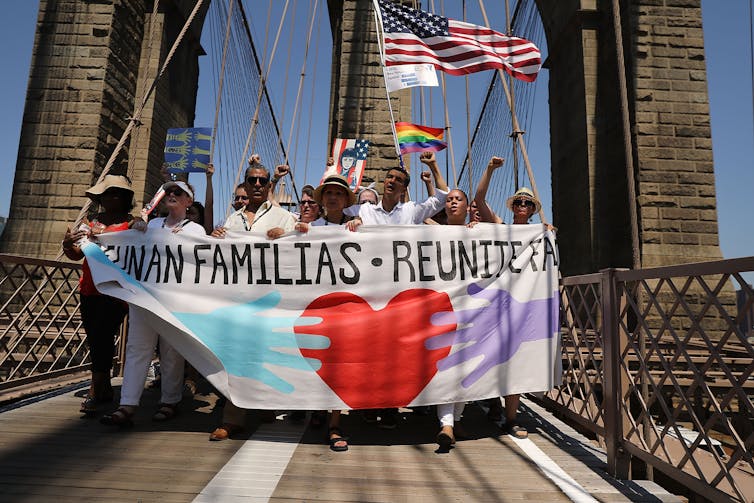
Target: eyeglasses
308,203
523,202
395,177
241,198
178,192
253,180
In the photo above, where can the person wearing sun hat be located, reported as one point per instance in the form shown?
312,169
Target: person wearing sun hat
101,315
333,196
526,198
142,338
523,204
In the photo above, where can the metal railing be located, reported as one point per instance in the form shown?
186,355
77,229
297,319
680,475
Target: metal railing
41,335
659,365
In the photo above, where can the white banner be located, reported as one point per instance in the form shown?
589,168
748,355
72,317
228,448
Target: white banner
385,317
404,76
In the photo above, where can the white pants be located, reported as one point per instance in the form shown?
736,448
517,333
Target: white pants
142,340
450,413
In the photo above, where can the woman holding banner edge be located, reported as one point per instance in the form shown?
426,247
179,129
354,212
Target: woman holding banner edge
142,339
524,204
101,315
334,195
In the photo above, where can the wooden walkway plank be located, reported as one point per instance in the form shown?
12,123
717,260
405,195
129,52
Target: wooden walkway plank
49,453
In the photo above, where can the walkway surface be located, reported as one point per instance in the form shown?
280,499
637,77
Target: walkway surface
49,452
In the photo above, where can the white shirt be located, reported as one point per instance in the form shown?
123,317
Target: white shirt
267,217
407,213
186,226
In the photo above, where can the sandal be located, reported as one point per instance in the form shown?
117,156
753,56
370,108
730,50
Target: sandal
339,439
89,406
225,431
165,411
446,437
119,417
516,430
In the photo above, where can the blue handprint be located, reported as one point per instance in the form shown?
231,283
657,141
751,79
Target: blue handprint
244,341
496,329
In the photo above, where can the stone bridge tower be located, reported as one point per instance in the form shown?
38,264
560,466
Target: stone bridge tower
91,62
669,116
92,59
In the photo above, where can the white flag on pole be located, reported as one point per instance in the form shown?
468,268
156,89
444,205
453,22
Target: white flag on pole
403,76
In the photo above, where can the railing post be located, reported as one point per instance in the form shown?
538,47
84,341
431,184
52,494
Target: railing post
618,461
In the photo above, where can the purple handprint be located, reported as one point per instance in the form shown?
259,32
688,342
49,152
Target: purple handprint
496,329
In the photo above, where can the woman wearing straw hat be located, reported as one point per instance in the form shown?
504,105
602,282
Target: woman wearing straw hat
334,196
142,338
523,204
101,315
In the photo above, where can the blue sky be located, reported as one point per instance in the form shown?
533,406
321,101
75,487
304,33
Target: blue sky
726,31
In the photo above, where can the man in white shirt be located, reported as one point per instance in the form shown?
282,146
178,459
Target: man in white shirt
391,211
259,214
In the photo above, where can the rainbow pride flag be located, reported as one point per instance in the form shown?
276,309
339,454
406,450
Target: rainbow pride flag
416,138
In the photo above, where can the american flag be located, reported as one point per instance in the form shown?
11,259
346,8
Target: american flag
355,152
415,36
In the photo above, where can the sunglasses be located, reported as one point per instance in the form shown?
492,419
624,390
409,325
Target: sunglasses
523,202
262,180
175,191
241,198
396,177
308,203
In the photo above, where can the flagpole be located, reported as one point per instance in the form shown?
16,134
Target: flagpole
515,133
378,23
514,121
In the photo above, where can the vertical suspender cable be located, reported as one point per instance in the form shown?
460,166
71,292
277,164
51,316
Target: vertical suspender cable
218,101
514,121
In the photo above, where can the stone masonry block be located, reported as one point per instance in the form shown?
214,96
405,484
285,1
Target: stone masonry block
658,176
695,155
659,201
674,142
702,203
646,212
699,227
693,131
661,225
710,239
678,190
679,214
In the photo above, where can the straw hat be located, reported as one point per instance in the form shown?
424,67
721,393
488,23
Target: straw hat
181,185
109,182
524,193
338,181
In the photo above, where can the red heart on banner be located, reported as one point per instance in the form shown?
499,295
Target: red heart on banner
377,358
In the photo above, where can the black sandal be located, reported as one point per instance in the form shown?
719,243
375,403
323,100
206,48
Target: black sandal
334,430
165,411
515,430
89,406
119,417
